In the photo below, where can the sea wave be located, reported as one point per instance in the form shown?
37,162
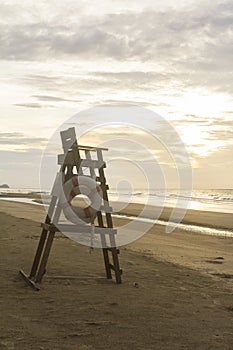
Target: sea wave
214,200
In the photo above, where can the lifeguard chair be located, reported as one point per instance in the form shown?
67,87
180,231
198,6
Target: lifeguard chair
74,162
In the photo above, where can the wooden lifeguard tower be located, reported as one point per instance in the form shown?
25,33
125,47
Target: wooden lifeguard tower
75,161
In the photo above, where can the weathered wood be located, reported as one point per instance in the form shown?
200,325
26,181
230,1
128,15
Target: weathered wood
117,269
108,216
113,267
68,159
77,159
106,262
102,179
90,148
78,229
68,138
104,249
43,238
45,257
117,250
49,227
106,208
28,280
69,142
86,229
39,251
92,170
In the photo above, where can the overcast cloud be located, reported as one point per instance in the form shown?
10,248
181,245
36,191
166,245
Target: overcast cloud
57,58
195,38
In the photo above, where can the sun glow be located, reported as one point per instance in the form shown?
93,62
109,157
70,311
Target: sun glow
198,141
202,102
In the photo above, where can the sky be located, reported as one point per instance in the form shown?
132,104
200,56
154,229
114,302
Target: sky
61,58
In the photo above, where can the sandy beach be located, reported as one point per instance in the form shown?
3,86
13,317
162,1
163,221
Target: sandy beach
183,297
116,119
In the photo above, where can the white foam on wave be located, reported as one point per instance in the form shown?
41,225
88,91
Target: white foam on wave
185,227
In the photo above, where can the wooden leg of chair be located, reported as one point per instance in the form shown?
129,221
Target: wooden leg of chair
107,264
45,257
38,253
116,265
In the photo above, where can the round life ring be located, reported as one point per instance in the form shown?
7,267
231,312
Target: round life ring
80,185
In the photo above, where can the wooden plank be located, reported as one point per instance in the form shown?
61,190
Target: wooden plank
57,186
90,148
43,237
38,253
106,262
102,179
77,159
106,208
112,267
103,186
86,229
70,146
92,171
68,138
68,159
104,249
45,257
49,227
108,216
117,250
29,282
78,229
117,269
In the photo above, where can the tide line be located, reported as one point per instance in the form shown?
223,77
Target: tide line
185,227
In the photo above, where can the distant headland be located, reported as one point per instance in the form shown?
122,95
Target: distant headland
4,186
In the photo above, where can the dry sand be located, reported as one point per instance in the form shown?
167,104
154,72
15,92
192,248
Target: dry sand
184,298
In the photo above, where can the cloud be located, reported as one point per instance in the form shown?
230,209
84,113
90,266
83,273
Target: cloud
135,102
208,122
53,98
43,99
87,83
152,54
215,170
178,35
20,169
188,46
33,105
17,138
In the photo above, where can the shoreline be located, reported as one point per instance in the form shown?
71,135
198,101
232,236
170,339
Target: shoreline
193,217
214,200
209,219
183,248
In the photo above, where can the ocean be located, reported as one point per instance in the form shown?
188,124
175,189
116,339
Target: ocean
216,200
219,200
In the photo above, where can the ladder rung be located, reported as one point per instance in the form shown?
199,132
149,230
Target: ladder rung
112,267
90,148
49,227
111,250
101,179
68,159
106,208
103,186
